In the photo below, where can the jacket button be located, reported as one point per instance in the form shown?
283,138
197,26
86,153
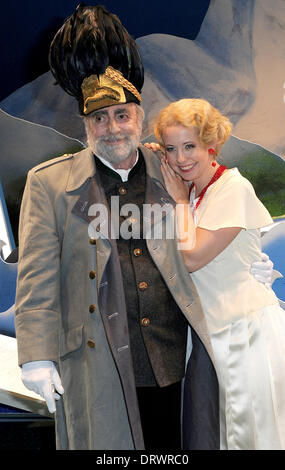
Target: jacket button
122,191
90,343
92,308
92,241
143,285
145,321
92,274
138,251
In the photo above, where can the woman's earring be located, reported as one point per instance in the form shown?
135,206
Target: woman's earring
211,152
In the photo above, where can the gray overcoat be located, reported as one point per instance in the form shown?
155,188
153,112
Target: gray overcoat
70,305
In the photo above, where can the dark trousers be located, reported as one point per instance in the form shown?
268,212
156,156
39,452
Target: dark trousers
201,421
160,410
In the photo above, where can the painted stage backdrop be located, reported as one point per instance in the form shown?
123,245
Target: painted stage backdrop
236,60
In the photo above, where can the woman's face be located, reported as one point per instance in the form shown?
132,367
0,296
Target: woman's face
186,155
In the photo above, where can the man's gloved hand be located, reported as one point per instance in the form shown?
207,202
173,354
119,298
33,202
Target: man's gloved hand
262,270
42,378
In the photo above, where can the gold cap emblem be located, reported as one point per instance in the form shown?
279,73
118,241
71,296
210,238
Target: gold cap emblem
106,90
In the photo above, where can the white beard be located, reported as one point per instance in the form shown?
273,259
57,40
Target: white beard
115,154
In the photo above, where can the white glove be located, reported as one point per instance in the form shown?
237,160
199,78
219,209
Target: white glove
262,270
42,378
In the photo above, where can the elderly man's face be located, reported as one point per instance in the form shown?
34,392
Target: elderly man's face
114,132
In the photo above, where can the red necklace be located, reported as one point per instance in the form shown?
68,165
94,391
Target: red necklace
215,177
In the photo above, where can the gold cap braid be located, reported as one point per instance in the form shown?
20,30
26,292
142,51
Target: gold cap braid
106,90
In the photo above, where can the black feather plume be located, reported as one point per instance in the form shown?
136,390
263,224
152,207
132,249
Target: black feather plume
89,41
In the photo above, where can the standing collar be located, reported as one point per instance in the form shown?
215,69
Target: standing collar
124,174
110,171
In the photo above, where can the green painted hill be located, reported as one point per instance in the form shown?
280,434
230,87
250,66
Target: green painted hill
264,169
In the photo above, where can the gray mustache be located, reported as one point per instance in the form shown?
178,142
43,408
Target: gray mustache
112,138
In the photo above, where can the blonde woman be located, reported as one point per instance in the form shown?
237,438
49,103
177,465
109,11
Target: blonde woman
219,217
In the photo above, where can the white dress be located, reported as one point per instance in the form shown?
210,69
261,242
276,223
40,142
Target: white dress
245,321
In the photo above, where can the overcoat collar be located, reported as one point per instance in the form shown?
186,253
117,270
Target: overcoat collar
83,168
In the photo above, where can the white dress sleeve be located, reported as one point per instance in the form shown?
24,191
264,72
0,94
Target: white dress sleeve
232,202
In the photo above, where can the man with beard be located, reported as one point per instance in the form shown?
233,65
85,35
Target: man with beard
101,321
115,132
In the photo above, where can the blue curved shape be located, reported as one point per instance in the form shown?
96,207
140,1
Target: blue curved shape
273,244
8,281
7,322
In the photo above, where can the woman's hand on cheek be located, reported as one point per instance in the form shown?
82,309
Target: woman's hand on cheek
175,185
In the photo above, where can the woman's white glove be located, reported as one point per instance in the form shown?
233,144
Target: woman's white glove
42,378
262,270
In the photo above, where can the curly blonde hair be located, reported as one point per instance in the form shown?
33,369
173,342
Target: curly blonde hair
211,126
